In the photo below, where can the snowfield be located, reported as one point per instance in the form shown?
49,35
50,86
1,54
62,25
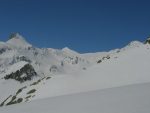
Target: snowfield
121,69
128,99
37,80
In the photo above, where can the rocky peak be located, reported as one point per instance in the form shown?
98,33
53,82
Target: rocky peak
147,41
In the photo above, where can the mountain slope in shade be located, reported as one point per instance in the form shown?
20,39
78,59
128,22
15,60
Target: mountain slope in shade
34,73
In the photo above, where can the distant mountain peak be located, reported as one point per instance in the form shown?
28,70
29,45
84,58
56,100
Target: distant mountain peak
69,51
66,49
15,39
16,36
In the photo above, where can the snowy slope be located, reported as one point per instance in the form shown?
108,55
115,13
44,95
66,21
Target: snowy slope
129,99
52,72
46,62
130,66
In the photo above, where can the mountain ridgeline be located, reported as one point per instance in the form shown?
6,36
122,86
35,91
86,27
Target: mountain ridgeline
26,72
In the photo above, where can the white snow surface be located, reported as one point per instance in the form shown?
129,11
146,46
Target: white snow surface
128,99
65,75
127,67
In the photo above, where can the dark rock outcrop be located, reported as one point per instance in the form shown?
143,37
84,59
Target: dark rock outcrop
23,58
147,41
2,50
25,73
53,69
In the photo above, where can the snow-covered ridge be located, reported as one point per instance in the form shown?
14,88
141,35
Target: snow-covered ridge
43,59
65,71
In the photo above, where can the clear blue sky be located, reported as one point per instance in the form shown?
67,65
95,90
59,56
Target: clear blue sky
82,25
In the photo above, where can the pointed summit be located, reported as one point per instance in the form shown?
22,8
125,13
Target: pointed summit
16,40
69,51
15,35
66,49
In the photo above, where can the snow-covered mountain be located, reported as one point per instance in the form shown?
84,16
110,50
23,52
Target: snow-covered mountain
29,73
